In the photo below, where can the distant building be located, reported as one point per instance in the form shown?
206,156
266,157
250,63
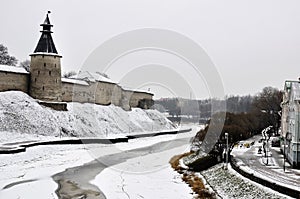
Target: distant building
290,122
44,81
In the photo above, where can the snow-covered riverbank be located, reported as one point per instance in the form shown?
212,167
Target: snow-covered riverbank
230,184
23,119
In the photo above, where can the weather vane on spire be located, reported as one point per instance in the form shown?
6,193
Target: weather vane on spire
49,11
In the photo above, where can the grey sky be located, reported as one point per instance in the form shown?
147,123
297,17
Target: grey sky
253,43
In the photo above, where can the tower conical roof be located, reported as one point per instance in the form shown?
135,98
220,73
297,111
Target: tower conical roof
46,44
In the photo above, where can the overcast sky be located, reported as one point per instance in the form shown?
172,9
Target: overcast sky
253,43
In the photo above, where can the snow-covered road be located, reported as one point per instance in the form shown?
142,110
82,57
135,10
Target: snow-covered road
141,163
251,161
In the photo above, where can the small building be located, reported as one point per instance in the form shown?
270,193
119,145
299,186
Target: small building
290,122
101,89
137,98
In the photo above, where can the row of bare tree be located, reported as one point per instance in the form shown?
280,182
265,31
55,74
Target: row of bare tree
265,111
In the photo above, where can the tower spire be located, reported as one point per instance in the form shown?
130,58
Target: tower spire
46,44
45,67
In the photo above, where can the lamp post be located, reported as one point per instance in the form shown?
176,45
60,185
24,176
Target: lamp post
226,137
284,142
267,150
266,142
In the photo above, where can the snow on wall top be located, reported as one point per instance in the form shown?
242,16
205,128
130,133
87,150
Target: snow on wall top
92,77
74,81
136,90
13,69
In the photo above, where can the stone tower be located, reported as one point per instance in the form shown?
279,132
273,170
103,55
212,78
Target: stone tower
45,69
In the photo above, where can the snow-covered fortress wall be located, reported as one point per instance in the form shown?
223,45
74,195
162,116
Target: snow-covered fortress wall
13,78
77,90
104,93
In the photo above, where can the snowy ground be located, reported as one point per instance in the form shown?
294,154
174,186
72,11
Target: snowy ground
28,175
22,118
230,184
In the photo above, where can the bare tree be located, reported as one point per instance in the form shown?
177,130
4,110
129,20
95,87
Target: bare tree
69,74
266,107
5,58
25,64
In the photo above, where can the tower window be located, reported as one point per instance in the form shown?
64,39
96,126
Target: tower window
34,79
55,65
38,72
50,73
44,64
43,88
55,80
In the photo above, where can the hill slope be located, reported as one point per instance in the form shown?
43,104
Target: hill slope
21,114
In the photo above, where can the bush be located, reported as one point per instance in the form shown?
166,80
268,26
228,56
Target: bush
203,163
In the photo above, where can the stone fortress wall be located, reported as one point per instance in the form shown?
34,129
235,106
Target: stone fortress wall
77,90
86,87
12,78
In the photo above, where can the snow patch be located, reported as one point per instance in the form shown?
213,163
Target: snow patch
13,69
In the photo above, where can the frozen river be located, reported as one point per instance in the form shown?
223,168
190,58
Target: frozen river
138,169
